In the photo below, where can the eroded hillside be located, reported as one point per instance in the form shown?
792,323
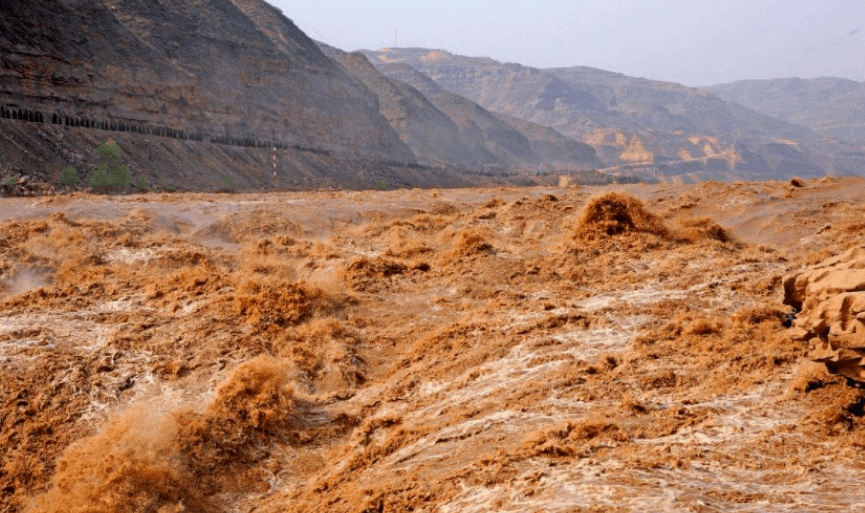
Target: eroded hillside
574,349
830,106
632,121
205,89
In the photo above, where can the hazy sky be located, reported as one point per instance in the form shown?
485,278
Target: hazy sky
694,42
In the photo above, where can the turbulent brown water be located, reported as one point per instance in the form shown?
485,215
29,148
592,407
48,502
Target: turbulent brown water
570,349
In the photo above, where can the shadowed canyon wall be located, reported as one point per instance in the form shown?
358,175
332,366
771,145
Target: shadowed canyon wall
230,73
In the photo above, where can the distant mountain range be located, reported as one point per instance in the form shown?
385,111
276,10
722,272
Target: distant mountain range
834,107
445,128
632,122
199,95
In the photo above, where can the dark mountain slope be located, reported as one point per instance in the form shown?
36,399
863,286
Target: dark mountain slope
432,135
230,72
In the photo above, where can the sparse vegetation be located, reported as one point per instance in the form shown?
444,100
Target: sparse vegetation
110,172
167,187
69,176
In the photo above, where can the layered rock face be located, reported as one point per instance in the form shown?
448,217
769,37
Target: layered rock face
831,298
220,70
431,135
553,147
233,73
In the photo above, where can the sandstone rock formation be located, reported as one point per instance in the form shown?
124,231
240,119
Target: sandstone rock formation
831,298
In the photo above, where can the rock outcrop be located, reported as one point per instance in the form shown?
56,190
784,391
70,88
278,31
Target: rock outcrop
831,300
25,187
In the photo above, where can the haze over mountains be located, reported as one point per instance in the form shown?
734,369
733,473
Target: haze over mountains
633,121
198,94
442,127
834,107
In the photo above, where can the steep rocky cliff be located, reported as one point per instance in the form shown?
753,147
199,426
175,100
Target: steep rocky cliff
553,147
221,69
233,73
432,136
